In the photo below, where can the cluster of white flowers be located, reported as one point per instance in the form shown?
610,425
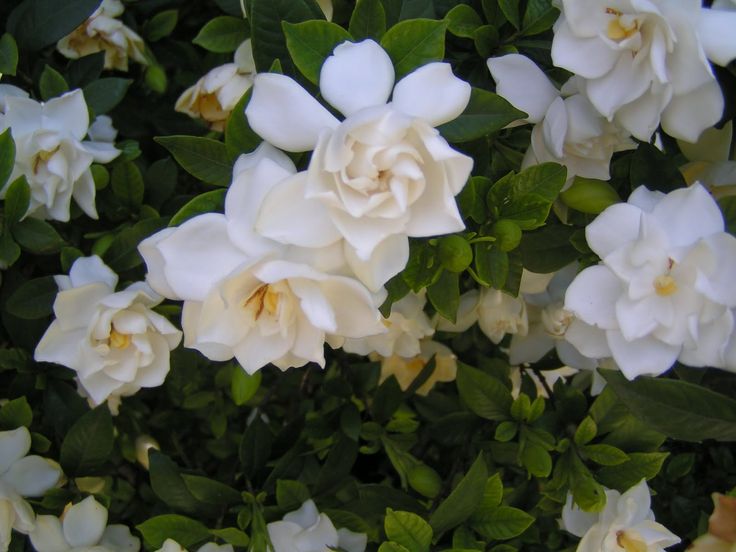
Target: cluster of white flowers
21,476
104,32
50,152
113,340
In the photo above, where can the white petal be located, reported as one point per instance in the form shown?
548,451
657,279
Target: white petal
155,264
588,340
575,520
356,76
626,82
520,81
306,516
23,115
646,356
118,538
531,347
84,194
387,259
14,445
642,116
287,216
87,270
713,146
432,93
67,113
688,214
592,297
615,227
314,304
284,114
33,475
84,523
688,115
256,350
588,57
101,152
47,535
355,313
715,31
283,535
350,541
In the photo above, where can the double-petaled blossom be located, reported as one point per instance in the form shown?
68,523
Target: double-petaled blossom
51,155
213,97
250,297
21,475
83,527
383,173
642,63
307,530
113,341
104,32
664,288
626,523
567,128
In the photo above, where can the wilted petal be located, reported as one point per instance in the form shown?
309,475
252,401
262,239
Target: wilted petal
356,76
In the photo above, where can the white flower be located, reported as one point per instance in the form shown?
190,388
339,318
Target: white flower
382,174
729,5
405,370
113,341
171,545
21,476
407,325
663,291
9,91
642,62
627,523
306,530
214,96
567,128
50,153
102,32
101,130
82,527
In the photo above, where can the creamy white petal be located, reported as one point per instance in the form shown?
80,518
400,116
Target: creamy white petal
87,270
47,535
33,476
433,93
592,297
687,214
68,113
285,114
715,31
14,445
386,261
588,57
645,356
84,523
520,81
624,218
356,76
688,115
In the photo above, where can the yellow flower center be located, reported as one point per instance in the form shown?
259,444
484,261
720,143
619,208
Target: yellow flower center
665,285
619,28
119,340
416,365
629,542
41,157
263,299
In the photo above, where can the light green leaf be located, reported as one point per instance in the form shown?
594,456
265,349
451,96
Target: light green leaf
484,394
8,54
311,42
409,530
640,465
462,20
413,43
185,531
203,158
585,431
243,385
290,494
605,455
161,25
233,536
510,9
503,523
210,491
463,500
208,202
222,34
15,413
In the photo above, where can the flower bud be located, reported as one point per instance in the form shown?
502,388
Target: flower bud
424,480
156,79
588,195
455,253
142,445
507,234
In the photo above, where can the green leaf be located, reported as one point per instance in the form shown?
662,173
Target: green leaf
88,444
338,464
208,202
210,491
640,465
168,484
222,34
9,250
255,446
122,254
444,294
203,158
548,249
423,267
493,492
391,547
409,530
605,455
17,197
491,264
413,43
37,236
239,137
161,25
311,42
16,413
463,500
185,531
539,16
679,409
462,20
484,394
33,299
84,70
472,199
266,18
586,431
104,94
233,536
503,523
485,113
510,9
51,83
127,185
536,459
39,23
8,54
243,385
7,157
368,20
291,494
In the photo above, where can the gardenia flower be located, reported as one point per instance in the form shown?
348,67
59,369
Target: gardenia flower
721,535
405,370
9,91
640,63
51,155
171,545
82,527
214,96
626,523
383,173
21,476
664,288
103,32
567,128
101,130
306,530
113,341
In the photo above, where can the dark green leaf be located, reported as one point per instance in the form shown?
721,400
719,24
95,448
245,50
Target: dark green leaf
239,137
539,16
7,157
16,413
51,83
127,185
290,495
33,299
8,54
203,158
510,9
463,500
161,25
491,264
210,491
39,23
338,464
122,254
233,536
185,531
548,249
472,199
368,20
423,267
484,394
222,34
84,70
17,196
208,202
37,236
444,294
311,42
413,43
168,483
727,205
88,444
485,113
255,447
640,465
654,169
104,94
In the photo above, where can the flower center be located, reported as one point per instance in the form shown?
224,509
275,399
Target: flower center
630,543
556,320
665,285
621,26
264,299
118,340
42,157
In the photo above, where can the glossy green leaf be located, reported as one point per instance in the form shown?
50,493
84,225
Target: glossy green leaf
463,499
104,94
485,113
368,20
484,394
222,34
39,23
185,531
203,158
33,299
409,530
413,43
88,444
37,236
8,54
208,202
